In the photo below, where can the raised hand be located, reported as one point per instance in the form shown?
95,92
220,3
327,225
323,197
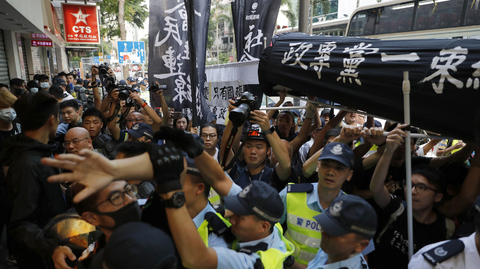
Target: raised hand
90,169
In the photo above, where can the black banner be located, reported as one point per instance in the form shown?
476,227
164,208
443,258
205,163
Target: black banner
169,57
253,20
367,74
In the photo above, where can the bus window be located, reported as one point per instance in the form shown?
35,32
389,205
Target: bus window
363,23
395,18
438,14
472,16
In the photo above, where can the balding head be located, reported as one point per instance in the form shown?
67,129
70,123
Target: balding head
76,139
134,117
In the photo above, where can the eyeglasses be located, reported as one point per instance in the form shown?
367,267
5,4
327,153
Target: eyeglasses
212,136
142,120
118,197
420,187
74,142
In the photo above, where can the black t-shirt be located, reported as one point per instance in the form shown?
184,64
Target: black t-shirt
391,241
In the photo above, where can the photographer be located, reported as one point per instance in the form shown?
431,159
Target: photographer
258,144
96,92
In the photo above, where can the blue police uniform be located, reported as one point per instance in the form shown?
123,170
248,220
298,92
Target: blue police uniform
355,262
228,258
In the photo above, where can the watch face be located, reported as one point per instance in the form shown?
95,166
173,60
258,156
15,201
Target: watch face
178,199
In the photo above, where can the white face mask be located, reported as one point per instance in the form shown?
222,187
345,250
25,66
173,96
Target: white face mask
33,90
8,114
44,85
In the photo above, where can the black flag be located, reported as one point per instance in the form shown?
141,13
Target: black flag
170,56
253,20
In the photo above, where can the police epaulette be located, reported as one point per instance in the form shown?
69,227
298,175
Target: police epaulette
444,251
214,222
300,187
262,246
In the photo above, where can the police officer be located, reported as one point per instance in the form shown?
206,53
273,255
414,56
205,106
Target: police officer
456,253
347,226
259,242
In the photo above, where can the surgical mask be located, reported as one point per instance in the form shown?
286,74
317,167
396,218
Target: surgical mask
44,85
33,90
36,81
126,214
8,114
295,120
19,91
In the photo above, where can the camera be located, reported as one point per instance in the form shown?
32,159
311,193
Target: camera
110,83
124,91
245,103
103,69
155,88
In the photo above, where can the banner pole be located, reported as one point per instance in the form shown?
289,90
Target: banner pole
193,59
408,161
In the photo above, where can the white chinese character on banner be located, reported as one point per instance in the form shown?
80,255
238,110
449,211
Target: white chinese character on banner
303,47
252,41
324,51
171,64
180,93
475,81
455,57
356,58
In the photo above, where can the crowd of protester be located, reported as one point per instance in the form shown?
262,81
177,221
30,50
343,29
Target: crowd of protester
93,177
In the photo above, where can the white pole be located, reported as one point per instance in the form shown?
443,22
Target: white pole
408,162
283,108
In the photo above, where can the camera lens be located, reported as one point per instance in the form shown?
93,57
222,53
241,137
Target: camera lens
123,94
239,115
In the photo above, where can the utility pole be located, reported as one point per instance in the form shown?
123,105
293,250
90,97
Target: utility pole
303,16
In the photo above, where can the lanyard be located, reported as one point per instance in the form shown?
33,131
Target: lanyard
249,175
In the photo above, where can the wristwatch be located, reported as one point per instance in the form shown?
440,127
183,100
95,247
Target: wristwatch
270,130
176,201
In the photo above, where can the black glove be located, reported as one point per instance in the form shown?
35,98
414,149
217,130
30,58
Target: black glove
191,144
167,164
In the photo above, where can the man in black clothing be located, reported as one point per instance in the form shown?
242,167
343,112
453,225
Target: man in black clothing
32,200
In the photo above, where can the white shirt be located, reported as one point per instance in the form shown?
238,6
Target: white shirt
355,262
468,258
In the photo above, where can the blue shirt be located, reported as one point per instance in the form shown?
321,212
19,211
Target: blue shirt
242,177
228,258
355,262
213,240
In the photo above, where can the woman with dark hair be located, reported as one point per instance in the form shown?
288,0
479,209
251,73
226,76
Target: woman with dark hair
181,123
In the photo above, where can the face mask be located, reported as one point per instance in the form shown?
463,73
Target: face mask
19,91
33,90
36,81
8,114
295,120
126,214
44,85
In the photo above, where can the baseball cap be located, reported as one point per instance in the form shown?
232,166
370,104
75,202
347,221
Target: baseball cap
296,112
322,124
132,245
339,152
122,82
142,83
32,84
130,79
59,80
348,214
255,133
140,129
325,111
259,199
